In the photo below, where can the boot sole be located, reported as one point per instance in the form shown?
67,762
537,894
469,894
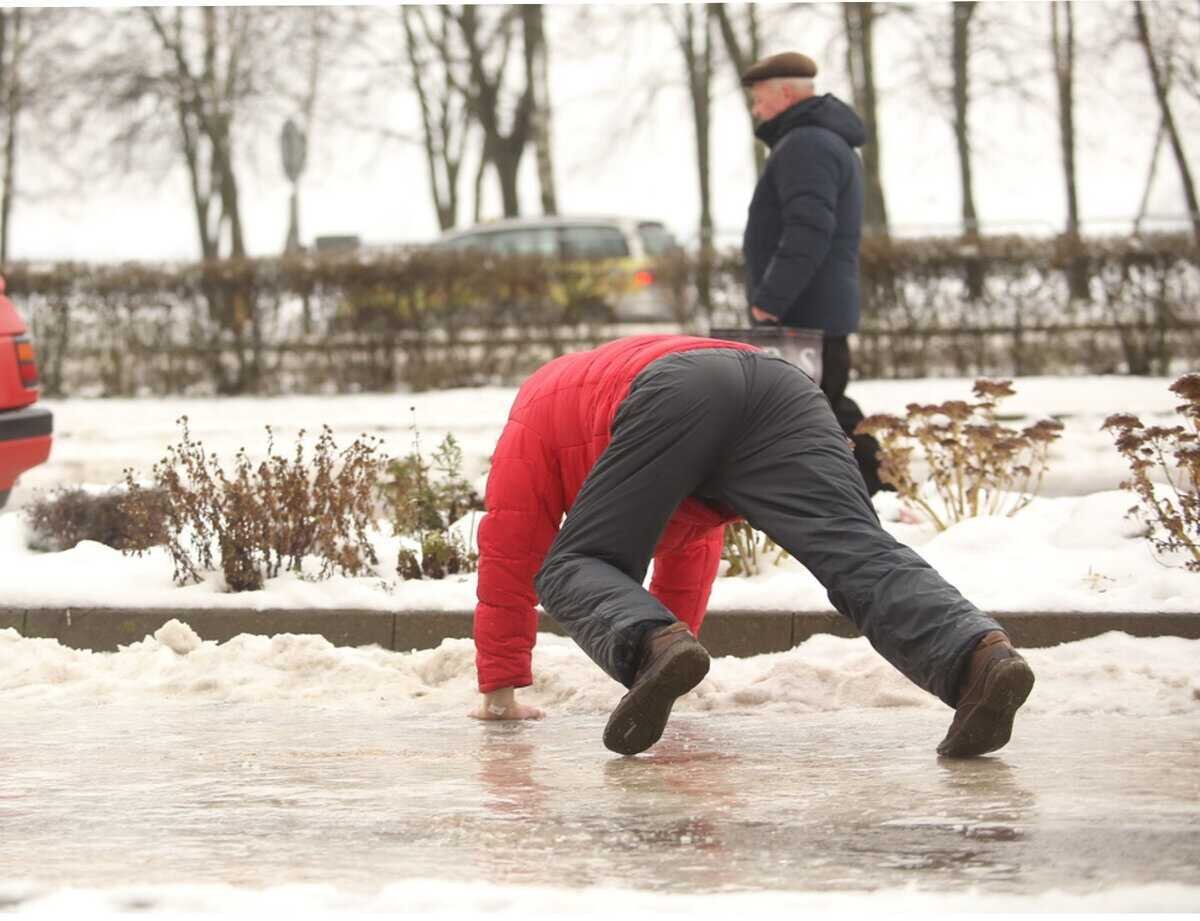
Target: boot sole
988,725
638,720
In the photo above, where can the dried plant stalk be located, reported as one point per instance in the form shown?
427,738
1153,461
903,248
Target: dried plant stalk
264,519
977,466
424,508
1173,521
747,551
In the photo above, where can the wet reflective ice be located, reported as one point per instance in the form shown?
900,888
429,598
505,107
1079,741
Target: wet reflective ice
289,791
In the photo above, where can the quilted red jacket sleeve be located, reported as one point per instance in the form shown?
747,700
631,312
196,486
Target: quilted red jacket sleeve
524,509
685,567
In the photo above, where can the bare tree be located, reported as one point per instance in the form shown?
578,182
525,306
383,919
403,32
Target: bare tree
36,78
858,20
1159,81
692,27
205,78
961,13
12,49
442,102
205,83
1151,172
1062,50
488,47
743,47
537,78
985,46
1187,31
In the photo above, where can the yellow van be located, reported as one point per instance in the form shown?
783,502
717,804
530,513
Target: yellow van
629,245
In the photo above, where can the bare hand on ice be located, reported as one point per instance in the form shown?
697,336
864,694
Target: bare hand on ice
502,705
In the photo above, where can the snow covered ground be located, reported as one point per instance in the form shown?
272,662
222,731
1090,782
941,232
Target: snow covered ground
284,774
1110,674
1072,549
96,439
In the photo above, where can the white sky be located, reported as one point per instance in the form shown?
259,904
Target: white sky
606,164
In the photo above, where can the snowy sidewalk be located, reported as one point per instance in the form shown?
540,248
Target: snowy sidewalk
266,773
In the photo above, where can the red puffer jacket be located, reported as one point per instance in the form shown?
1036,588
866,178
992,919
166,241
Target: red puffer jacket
559,424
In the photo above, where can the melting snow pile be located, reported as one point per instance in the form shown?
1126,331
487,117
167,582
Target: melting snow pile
430,898
1114,673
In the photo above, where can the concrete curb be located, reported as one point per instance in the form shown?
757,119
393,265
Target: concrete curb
725,633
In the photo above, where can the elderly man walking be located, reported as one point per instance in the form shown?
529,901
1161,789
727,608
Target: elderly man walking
805,224
648,446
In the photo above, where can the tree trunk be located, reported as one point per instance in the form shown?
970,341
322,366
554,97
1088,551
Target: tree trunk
502,150
1062,46
201,198
859,22
1144,204
14,101
962,12
537,78
741,57
204,108
10,24
508,164
1164,106
477,214
222,137
434,133
695,41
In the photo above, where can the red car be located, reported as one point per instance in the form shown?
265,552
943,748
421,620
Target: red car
24,428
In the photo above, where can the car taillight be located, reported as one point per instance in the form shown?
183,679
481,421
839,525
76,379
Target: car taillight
643,278
26,362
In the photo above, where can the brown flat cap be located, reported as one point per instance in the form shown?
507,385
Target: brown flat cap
787,64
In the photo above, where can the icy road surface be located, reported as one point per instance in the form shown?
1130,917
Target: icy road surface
255,796
265,773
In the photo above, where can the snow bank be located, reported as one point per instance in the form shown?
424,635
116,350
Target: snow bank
1078,553
430,898
1114,673
95,440
1073,549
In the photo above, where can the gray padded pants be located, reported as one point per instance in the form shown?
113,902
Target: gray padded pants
755,434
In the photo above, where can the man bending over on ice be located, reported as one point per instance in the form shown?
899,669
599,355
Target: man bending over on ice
650,445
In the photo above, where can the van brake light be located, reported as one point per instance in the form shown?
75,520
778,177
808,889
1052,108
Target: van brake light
643,278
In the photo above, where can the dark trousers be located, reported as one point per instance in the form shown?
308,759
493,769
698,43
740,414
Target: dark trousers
835,368
835,377
755,434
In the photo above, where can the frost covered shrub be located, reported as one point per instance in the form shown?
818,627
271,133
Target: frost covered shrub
262,519
976,466
748,551
1172,515
61,520
424,508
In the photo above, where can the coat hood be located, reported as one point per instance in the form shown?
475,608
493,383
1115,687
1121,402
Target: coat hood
826,111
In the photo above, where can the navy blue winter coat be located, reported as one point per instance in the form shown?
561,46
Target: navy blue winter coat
805,220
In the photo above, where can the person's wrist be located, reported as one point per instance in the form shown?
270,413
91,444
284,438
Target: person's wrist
498,701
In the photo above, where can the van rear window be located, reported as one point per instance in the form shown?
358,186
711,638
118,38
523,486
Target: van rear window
656,239
593,243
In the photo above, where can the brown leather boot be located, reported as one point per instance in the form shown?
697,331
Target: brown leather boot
672,663
994,685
